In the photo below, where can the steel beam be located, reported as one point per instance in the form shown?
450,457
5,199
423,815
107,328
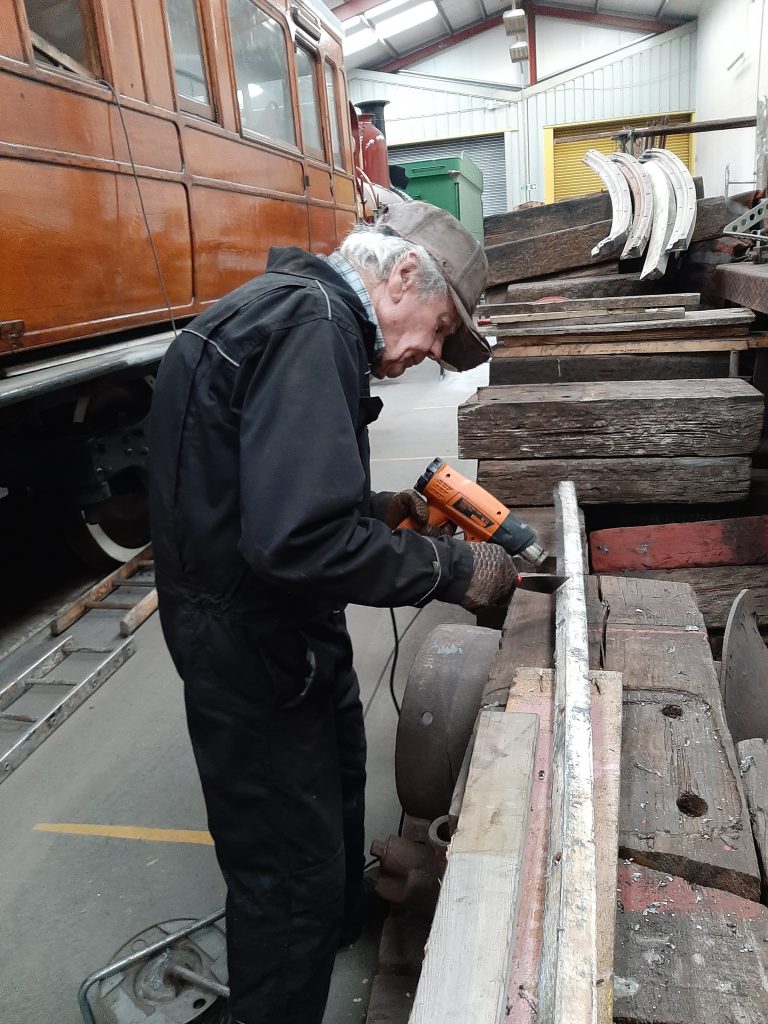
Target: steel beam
650,25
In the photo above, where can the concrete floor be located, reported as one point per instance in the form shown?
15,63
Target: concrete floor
69,901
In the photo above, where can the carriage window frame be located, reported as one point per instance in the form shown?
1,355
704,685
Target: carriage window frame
334,118
187,104
253,134
48,57
314,58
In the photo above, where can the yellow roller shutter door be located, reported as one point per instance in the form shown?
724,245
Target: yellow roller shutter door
573,178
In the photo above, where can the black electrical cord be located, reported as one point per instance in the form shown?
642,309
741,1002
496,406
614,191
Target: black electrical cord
395,655
386,663
155,257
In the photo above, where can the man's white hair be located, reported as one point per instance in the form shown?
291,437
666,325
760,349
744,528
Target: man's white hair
376,250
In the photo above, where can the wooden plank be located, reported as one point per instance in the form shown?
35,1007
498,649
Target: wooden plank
677,753
568,975
532,692
717,587
608,285
603,316
678,545
563,369
138,614
753,765
610,302
527,349
744,672
628,481
745,283
545,254
69,615
611,420
465,971
687,954
695,322
541,220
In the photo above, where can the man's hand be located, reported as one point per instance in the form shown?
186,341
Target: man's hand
409,504
494,576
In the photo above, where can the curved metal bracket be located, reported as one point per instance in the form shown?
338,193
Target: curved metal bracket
664,209
642,202
685,196
621,201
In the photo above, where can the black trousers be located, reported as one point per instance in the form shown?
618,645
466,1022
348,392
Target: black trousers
276,725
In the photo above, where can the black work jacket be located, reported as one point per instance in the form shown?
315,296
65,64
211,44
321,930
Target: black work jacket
260,476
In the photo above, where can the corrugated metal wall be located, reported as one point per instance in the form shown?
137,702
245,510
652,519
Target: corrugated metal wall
654,75
421,109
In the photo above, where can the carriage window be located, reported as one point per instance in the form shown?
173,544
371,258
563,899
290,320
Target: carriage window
62,35
261,72
186,41
309,103
333,110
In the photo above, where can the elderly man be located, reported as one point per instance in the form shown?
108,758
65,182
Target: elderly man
264,528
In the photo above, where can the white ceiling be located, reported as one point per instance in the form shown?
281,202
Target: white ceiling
461,16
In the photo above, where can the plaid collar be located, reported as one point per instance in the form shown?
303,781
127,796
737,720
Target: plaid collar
346,271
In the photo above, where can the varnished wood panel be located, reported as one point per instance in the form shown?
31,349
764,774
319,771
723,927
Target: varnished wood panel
322,229
344,190
156,66
119,21
222,159
91,249
345,221
233,234
320,183
154,141
10,35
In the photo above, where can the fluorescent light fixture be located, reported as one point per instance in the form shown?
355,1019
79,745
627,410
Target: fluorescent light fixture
518,52
351,22
359,41
390,5
407,19
254,90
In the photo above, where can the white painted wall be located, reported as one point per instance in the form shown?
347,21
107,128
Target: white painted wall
565,44
732,71
559,45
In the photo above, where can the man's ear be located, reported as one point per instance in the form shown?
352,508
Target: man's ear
403,276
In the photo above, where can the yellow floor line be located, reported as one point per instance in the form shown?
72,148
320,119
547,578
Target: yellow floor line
197,837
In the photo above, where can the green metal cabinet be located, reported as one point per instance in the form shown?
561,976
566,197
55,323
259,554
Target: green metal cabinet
454,184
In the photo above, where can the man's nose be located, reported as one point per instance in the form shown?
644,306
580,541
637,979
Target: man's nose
436,350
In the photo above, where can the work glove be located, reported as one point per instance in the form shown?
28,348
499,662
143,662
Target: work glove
410,504
494,576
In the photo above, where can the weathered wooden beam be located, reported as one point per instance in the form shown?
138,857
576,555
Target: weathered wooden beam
717,587
69,615
689,300
514,348
464,977
680,545
687,954
619,419
683,808
561,321
744,672
696,322
542,220
578,287
753,765
568,974
564,369
622,480
532,692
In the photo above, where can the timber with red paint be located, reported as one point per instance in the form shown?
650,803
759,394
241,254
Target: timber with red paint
742,541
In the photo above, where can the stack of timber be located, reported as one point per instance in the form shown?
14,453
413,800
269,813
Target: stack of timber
555,241
620,442
629,337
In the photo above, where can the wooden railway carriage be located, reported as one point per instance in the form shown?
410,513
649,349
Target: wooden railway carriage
151,151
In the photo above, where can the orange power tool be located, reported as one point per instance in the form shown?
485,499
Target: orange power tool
453,498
